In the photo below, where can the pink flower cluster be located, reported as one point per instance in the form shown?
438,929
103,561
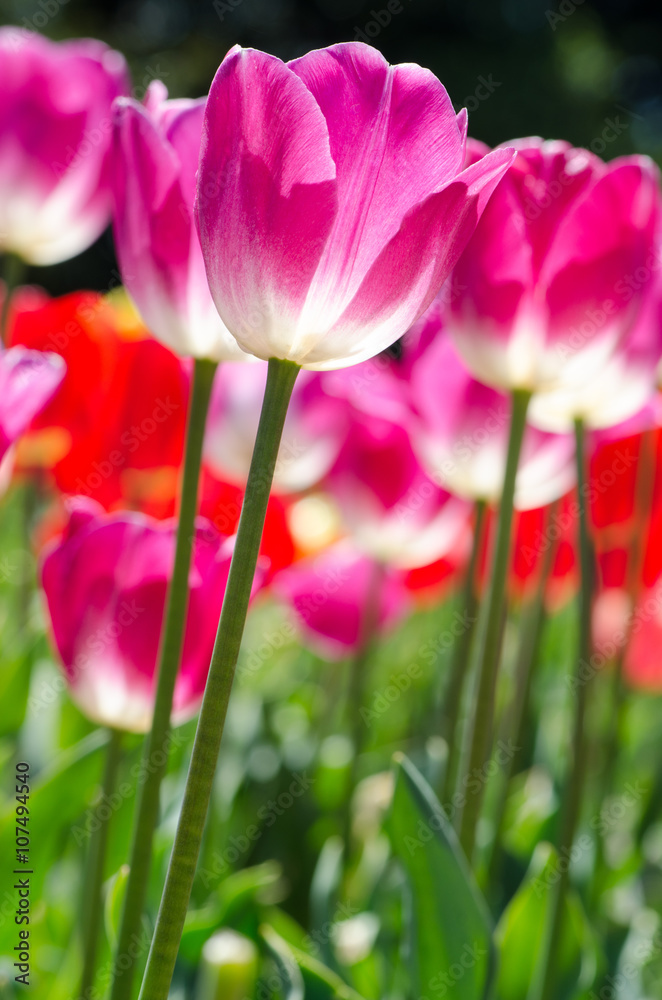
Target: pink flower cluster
319,212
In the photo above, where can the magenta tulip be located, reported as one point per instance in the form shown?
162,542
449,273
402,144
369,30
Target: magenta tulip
461,435
330,594
315,428
552,280
622,390
55,127
28,379
156,147
332,200
105,583
393,510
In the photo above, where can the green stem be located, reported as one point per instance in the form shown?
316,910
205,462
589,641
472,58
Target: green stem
14,269
172,637
460,663
544,984
491,619
94,879
531,629
358,674
170,921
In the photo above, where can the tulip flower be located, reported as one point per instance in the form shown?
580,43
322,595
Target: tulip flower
105,583
28,379
331,204
329,595
122,443
156,147
55,126
331,200
621,389
552,280
462,432
314,428
392,509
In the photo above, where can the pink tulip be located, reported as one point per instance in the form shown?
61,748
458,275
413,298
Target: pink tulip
28,379
156,147
331,595
552,280
393,510
621,393
105,583
314,428
55,127
331,200
461,435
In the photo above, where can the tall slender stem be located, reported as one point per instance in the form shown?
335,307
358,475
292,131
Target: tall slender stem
452,701
170,921
618,694
530,629
97,860
14,269
491,623
544,983
358,670
172,637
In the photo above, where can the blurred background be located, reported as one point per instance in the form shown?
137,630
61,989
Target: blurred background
587,72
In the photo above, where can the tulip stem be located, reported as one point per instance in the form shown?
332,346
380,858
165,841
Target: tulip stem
154,762
452,701
181,870
356,689
490,626
13,272
531,625
544,985
96,864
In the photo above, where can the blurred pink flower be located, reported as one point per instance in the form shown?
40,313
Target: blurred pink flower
156,147
55,126
461,435
331,595
552,280
620,396
391,507
314,428
28,379
105,582
331,200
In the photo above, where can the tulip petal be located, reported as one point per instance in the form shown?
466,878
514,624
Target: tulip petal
266,197
28,379
411,268
385,123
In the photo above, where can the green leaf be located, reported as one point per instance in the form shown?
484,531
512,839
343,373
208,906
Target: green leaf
113,904
324,889
235,895
522,927
287,970
451,938
319,983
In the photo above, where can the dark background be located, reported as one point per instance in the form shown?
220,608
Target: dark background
587,72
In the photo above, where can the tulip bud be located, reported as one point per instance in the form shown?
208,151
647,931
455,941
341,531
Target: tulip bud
229,967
